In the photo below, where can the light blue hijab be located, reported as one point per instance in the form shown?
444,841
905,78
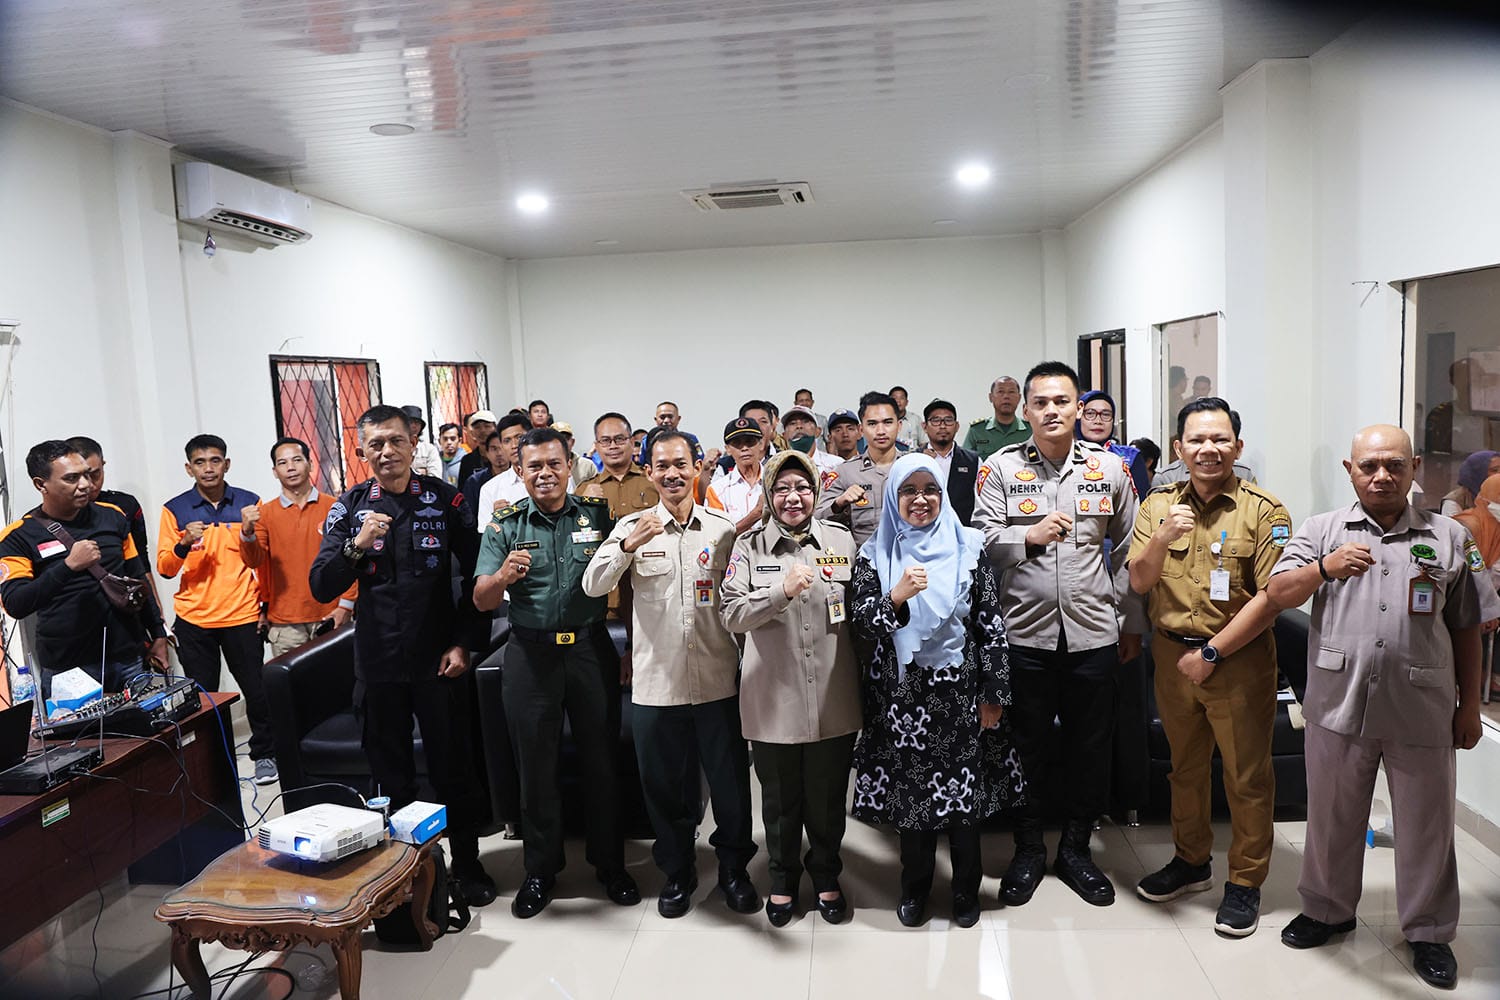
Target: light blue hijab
934,635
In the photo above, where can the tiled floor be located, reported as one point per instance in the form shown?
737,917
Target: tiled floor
1056,947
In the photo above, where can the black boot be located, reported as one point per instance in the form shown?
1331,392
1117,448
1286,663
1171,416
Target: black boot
1075,865
1027,865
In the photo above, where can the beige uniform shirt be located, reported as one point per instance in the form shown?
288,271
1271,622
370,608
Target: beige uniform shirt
864,517
1063,587
681,653
1375,669
801,681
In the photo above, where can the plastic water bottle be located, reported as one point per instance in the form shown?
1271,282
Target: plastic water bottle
25,687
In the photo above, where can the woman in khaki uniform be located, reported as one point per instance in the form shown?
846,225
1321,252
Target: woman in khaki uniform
784,590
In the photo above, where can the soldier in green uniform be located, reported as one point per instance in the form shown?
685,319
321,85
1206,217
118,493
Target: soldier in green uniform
534,553
988,435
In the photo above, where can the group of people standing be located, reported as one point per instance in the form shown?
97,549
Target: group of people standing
923,621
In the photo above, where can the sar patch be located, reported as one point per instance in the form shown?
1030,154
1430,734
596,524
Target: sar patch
1472,556
1027,506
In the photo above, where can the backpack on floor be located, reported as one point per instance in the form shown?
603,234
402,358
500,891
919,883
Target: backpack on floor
445,908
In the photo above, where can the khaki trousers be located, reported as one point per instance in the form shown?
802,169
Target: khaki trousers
1234,709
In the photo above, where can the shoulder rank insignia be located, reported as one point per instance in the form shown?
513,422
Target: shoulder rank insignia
505,512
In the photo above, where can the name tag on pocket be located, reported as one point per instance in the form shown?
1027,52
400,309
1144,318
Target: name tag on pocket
527,546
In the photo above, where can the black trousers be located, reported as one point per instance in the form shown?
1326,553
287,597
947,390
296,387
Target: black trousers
919,859
1077,689
539,683
671,742
804,786
199,649
441,708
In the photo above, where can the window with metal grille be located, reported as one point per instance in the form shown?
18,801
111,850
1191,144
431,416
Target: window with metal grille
319,400
454,388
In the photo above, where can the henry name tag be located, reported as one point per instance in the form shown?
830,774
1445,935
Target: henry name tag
591,535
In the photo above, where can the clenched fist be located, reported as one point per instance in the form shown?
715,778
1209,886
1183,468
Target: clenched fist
1178,522
82,555
647,527
1052,528
798,579
913,581
1349,559
375,526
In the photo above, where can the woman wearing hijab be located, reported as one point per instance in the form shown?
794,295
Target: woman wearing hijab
1096,423
1483,522
1472,473
785,590
935,755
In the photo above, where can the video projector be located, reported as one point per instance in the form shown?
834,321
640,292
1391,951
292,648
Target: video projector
322,832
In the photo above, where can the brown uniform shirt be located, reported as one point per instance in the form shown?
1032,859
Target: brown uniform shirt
627,494
1250,526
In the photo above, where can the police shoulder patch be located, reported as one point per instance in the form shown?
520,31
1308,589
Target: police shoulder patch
335,514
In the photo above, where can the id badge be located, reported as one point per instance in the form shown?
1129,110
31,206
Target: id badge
705,591
1218,585
1422,595
836,606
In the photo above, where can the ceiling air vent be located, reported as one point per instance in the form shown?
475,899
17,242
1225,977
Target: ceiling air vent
756,194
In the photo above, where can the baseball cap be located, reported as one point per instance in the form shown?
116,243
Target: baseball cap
562,427
938,404
842,417
414,413
798,411
740,428
482,415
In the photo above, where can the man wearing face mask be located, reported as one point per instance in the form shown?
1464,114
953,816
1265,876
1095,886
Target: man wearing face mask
534,553
684,673
800,427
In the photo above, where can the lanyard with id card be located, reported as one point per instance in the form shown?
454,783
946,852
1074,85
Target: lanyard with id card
835,597
1421,590
1218,579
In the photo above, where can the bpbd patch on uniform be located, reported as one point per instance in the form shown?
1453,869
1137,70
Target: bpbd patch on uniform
1472,556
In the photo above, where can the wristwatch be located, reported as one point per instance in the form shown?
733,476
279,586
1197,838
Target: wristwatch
1209,654
353,552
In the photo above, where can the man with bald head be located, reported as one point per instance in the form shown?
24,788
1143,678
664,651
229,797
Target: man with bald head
988,435
1393,680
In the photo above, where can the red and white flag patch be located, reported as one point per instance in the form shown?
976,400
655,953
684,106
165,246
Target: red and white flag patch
51,547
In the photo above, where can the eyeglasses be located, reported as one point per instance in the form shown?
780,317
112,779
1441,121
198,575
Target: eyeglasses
942,421
1098,415
617,439
782,492
932,492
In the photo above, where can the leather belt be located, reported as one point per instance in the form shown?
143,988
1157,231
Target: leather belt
1190,641
556,638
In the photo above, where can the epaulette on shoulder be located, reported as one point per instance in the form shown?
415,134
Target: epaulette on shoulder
1163,488
1259,492
506,512
977,421
717,513
592,501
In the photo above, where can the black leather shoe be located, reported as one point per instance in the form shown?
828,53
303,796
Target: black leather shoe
965,910
1075,865
781,914
1435,964
912,912
1024,874
1305,932
677,896
620,888
474,883
535,894
835,911
739,891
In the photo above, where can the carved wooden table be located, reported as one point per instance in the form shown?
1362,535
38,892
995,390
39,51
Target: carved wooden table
257,900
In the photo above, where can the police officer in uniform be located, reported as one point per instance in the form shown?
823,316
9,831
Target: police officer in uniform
852,495
1203,551
1046,507
399,535
1393,681
535,553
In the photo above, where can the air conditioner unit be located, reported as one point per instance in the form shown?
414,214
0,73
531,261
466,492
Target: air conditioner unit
750,194
224,200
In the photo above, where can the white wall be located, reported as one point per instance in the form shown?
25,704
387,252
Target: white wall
1151,253
710,329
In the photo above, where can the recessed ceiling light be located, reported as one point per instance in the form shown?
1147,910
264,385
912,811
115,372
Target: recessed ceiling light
945,222
392,128
973,175
532,203
606,243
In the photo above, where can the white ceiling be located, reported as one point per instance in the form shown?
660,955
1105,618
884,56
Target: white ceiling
611,107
